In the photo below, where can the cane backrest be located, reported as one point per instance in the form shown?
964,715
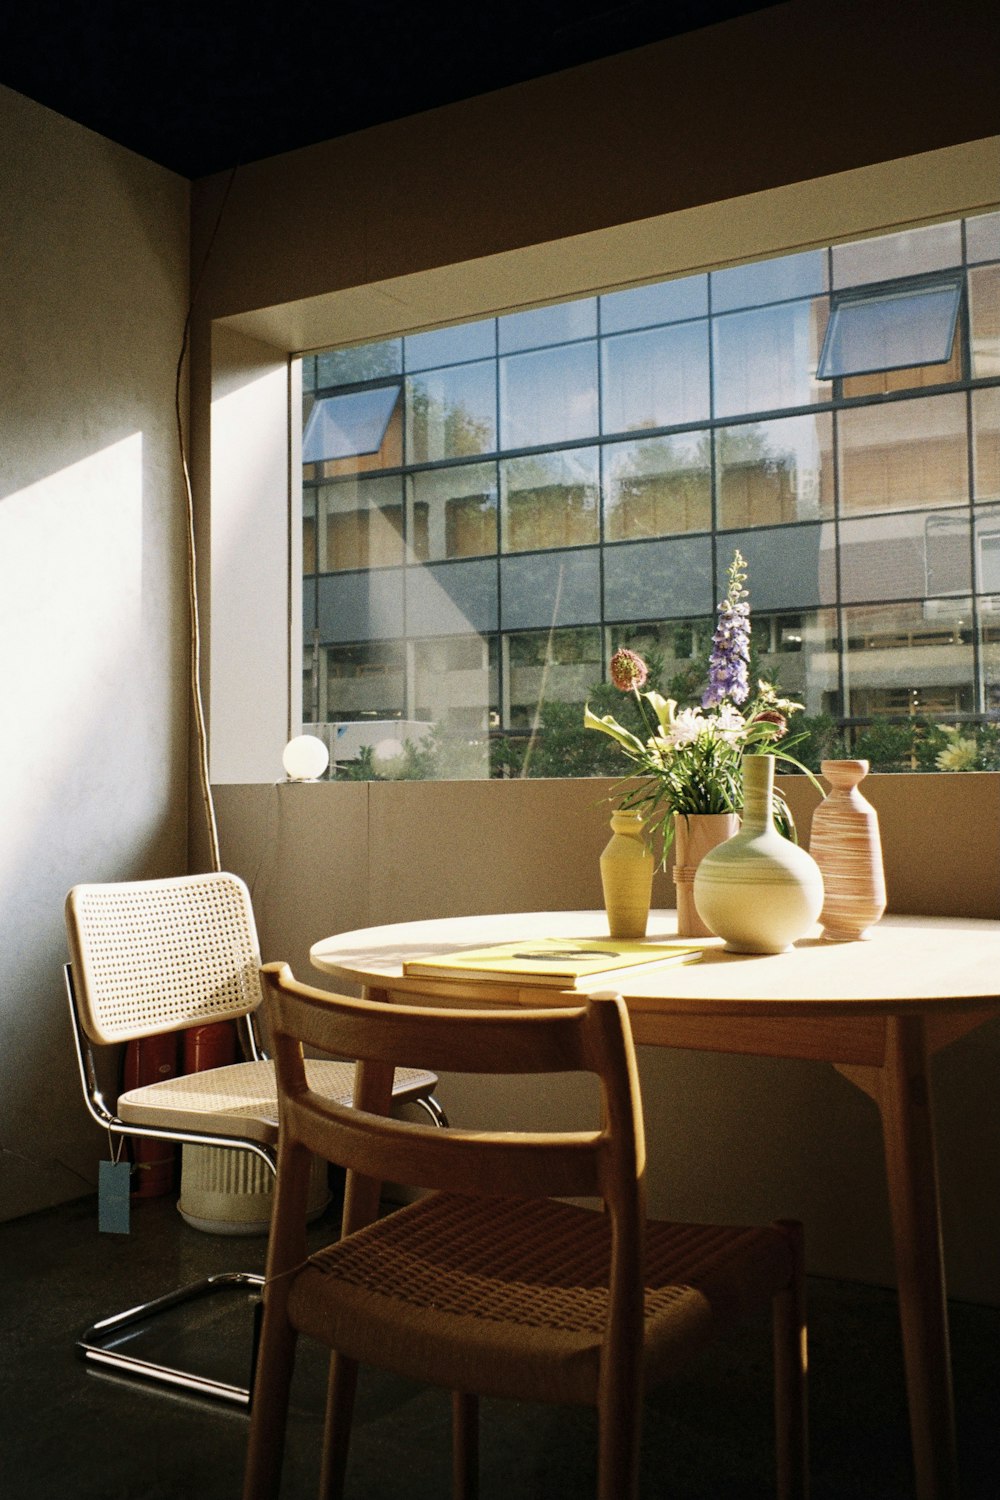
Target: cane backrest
161,955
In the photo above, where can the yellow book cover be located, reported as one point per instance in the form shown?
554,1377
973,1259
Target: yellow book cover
551,961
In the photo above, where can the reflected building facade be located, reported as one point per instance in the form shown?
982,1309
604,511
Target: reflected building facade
490,509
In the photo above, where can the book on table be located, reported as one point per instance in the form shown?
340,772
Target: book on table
565,962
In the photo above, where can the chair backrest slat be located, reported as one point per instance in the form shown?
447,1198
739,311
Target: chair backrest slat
160,955
605,1160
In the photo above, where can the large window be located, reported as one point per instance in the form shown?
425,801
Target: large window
490,509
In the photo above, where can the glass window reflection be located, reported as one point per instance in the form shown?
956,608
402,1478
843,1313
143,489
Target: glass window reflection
984,317
453,512
655,379
657,487
986,444
451,413
905,453
766,359
550,500
548,397
903,660
644,306
773,472
360,524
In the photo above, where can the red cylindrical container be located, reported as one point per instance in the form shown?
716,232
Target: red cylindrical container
150,1059
210,1046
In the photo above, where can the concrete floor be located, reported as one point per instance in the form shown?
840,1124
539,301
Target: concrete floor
68,1432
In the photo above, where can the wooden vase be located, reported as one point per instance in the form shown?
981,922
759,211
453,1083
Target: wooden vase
846,845
627,876
695,834
758,891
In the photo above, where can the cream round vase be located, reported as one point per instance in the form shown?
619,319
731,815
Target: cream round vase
758,891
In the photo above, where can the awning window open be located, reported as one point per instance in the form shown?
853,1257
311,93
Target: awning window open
890,330
348,426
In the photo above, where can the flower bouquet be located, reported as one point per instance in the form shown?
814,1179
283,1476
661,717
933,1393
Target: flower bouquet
690,760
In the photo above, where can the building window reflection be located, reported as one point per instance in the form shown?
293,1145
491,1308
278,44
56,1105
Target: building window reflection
490,508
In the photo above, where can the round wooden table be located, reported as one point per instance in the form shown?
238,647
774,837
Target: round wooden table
877,1010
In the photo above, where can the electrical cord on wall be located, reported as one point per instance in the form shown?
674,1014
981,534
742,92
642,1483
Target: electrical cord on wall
194,620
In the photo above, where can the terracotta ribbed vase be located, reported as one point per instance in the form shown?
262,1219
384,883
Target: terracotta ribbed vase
846,845
694,835
758,891
627,876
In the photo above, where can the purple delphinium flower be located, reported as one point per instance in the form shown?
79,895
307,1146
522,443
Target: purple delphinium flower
728,667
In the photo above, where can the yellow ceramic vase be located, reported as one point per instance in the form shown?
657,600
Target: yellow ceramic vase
627,877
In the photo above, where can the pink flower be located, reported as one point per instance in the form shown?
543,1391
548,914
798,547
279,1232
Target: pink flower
772,716
628,671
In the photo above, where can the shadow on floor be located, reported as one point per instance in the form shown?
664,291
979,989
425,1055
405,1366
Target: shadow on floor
69,1432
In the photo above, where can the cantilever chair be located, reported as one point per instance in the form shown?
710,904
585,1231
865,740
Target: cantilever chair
488,1285
159,956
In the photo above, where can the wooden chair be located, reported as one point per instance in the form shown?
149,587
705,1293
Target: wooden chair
156,956
488,1285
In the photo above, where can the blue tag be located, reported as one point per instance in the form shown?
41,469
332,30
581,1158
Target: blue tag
113,1201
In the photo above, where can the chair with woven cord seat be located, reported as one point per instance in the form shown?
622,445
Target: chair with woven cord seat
158,956
487,1285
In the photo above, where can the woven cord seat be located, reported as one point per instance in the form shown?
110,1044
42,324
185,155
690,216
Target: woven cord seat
159,956
509,1298
491,1283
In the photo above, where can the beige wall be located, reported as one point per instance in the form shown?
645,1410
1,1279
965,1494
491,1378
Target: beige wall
93,262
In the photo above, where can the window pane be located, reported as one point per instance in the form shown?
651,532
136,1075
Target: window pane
550,588
667,579
790,567
989,638
904,659
889,256
771,472
453,512
309,547
904,556
769,281
550,500
364,362
766,360
543,667
982,237
547,325
452,598
455,689
365,681
447,346
988,550
890,331
904,453
984,316
797,653
360,524
657,486
550,397
349,426
682,646
986,444
655,379
667,302
451,413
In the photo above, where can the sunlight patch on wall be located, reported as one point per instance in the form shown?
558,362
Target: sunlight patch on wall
70,644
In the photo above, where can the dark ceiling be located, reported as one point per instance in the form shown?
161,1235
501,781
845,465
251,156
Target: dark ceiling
200,87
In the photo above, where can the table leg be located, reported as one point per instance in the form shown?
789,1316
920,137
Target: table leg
901,1089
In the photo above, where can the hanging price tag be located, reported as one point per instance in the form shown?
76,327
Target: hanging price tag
113,1202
